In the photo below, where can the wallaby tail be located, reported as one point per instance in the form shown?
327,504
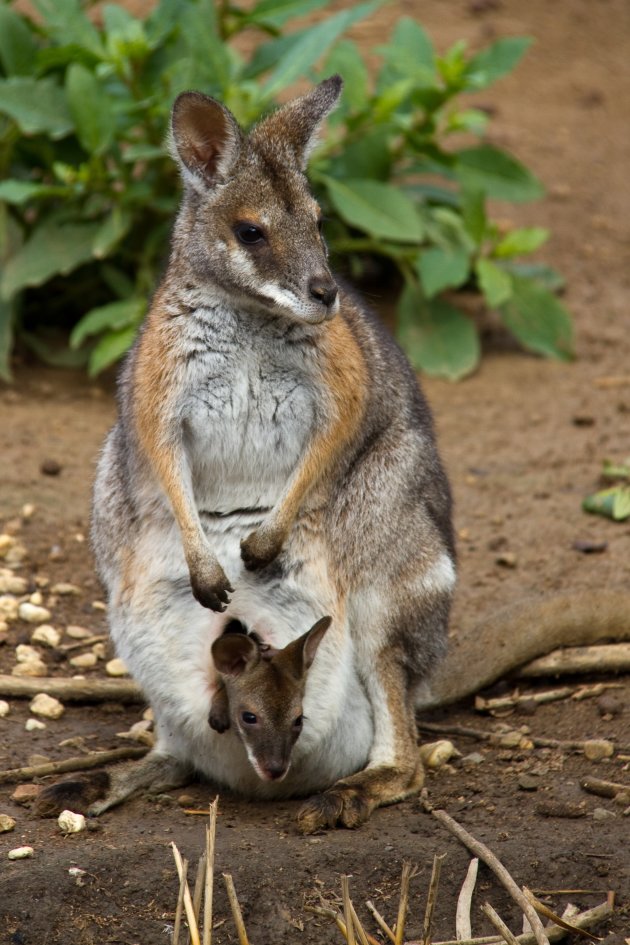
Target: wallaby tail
484,652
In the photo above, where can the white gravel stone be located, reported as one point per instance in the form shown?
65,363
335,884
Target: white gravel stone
116,667
32,668
10,583
16,554
436,754
70,822
5,708
20,853
28,510
47,706
84,660
36,598
6,823
6,542
33,613
65,590
78,633
99,650
597,749
46,635
25,653
9,607
4,626
34,725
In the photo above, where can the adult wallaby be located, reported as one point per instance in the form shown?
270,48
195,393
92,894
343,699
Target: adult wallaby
273,460
261,694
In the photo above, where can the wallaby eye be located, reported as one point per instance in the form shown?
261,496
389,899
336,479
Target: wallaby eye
249,234
297,723
249,718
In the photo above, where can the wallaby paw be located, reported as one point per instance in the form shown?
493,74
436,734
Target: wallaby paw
339,807
76,795
212,593
260,548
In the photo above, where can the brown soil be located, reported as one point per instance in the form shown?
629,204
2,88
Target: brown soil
523,441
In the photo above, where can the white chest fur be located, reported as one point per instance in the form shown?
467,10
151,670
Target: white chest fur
247,407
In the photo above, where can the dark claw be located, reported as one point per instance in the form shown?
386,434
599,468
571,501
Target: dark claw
213,598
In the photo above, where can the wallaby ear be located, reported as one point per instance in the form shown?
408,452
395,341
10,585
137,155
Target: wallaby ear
299,654
205,139
233,653
294,127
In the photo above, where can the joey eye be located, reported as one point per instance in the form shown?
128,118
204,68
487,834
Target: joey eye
248,234
297,723
249,718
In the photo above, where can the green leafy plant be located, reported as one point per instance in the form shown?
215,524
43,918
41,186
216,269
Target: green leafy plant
88,192
613,501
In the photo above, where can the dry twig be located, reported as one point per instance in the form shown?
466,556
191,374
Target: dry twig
488,857
199,883
209,884
347,910
499,924
188,906
542,909
493,738
380,921
603,788
463,928
431,898
403,903
606,658
79,763
72,690
236,910
180,903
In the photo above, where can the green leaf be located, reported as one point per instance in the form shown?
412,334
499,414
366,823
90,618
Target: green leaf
497,174
345,60
497,60
442,269
17,45
18,192
539,272
91,109
369,157
613,503
539,321
205,47
495,283
377,208
474,214
38,106
437,337
110,348
524,240
275,13
313,43
111,232
410,53
112,317
52,249
65,21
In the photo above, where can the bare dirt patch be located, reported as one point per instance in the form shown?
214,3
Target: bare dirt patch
520,455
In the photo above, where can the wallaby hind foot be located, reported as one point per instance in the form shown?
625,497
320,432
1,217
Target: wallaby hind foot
350,802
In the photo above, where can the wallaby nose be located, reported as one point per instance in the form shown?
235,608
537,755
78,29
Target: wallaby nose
275,770
323,289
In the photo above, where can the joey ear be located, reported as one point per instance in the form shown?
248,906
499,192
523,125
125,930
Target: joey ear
205,139
233,653
294,127
299,654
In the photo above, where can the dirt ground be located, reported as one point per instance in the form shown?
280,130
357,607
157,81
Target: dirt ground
523,441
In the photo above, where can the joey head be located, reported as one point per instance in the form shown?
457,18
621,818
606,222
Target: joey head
261,694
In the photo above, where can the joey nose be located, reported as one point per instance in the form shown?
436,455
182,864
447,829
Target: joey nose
275,771
323,289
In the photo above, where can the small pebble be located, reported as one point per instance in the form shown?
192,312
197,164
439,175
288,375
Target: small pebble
474,758
65,590
36,598
5,708
32,613
20,853
28,510
507,559
610,705
99,650
597,749
528,782
25,653
34,668
25,794
436,754
34,725
99,605
6,823
70,822
56,553
47,706
622,798
78,633
84,660
186,800
510,740
116,667
50,467
46,635
9,607
6,543
4,627
16,554
10,583
600,813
